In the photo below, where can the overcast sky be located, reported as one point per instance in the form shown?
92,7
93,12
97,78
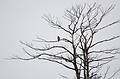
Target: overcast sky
21,20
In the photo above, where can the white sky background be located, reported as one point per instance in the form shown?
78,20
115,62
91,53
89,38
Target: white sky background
21,20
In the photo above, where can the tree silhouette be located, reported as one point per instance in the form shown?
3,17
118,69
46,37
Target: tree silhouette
77,53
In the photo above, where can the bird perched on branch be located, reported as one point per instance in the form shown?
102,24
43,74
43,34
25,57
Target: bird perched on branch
58,38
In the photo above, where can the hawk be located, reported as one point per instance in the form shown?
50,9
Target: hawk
58,38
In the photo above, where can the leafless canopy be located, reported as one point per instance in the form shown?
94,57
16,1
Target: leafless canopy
84,24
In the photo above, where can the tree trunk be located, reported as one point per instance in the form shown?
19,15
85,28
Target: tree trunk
86,64
78,75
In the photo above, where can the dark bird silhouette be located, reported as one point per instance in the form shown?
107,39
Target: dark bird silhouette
58,38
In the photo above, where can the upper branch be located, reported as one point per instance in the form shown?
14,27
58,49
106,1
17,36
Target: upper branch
55,24
107,26
106,40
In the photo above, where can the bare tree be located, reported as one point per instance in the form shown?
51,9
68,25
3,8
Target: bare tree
78,53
